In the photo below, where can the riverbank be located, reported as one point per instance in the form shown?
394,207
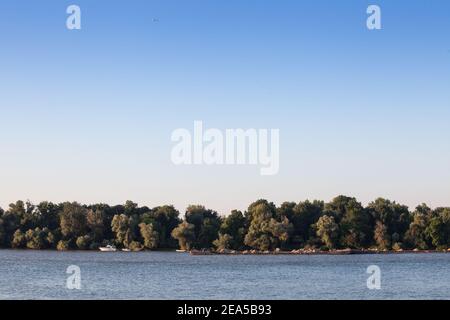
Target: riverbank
311,252
205,252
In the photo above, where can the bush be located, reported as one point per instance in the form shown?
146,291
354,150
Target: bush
35,239
63,245
83,242
19,240
51,240
135,246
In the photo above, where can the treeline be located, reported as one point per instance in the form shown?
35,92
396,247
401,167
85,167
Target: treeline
341,223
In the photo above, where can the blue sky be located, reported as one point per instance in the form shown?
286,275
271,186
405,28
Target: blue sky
87,115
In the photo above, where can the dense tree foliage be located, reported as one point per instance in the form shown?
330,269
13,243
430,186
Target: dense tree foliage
328,231
266,231
185,234
232,231
341,223
200,229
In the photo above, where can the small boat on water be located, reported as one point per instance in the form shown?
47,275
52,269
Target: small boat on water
126,250
180,250
108,248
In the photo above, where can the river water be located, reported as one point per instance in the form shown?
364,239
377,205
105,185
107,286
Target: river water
170,275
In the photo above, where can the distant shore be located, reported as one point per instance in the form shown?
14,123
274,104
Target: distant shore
309,227
311,252
206,252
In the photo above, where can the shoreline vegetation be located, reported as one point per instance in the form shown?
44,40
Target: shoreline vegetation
209,252
347,251
341,226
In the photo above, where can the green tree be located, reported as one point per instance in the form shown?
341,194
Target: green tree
304,216
121,227
12,220
185,234
135,246
63,245
206,225
328,231
150,236
52,238
355,223
232,230
265,232
48,213
73,221
131,208
95,224
416,236
84,242
35,239
164,219
25,213
263,226
281,231
19,240
394,217
224,241
259,235
438,230
381,236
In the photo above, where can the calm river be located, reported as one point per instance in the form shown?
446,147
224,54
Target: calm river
167,275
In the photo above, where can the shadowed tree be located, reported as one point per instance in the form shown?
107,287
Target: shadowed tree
305,215
355,223
73,221
232,231
206,225
48,215
24,215
416,236
95,223
12,221
164,219
3,242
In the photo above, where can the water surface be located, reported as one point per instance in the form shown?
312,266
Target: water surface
170,275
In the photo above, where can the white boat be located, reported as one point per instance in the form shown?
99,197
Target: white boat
126,250
179,250
108,248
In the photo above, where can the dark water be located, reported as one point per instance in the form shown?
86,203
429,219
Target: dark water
167,275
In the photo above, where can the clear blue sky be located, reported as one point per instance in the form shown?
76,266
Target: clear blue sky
87,115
